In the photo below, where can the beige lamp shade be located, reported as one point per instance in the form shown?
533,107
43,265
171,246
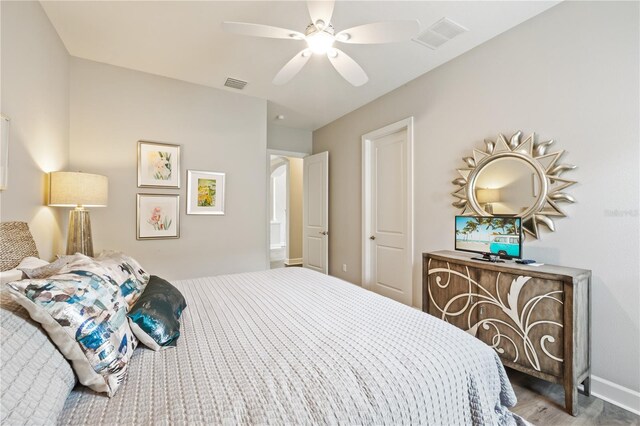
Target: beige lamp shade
71,189
488,195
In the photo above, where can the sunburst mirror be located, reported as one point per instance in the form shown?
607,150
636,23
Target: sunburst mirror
514,178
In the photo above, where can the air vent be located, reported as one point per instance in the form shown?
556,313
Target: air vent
430,39
235,83
447,28
440,33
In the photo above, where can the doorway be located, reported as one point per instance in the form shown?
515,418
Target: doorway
387,211
285,210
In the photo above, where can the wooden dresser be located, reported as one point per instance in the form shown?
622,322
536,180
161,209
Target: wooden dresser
537,318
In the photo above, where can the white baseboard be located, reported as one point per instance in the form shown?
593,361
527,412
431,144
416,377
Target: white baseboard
615,394
293,261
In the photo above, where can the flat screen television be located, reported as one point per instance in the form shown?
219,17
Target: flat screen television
497,236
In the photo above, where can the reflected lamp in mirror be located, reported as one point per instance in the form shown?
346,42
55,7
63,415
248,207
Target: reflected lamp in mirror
78,190
487,196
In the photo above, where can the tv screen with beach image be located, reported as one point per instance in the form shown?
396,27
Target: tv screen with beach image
495,235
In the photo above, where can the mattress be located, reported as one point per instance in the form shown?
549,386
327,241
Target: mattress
292,346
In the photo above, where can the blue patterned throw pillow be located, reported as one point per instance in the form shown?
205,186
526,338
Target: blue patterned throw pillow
116,267
155,318
85,315
127,272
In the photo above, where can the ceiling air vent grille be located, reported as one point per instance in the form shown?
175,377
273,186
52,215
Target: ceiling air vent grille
447,28
234,83
440,33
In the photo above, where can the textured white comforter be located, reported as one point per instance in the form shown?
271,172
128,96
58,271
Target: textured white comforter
291,346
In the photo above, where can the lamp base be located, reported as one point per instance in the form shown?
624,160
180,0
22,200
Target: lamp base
79,236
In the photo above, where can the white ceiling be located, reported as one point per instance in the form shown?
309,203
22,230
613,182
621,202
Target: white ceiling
184,40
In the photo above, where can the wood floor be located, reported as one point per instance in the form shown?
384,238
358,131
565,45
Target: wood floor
542,403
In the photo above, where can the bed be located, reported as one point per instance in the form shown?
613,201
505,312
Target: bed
292,346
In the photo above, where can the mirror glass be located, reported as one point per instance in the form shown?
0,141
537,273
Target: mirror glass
507,186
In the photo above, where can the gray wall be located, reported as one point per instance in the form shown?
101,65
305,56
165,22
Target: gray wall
570,74
112,108
35,95
288,139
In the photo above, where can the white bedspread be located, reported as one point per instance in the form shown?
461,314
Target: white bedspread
291,346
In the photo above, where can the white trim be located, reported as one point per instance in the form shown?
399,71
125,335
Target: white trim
615,394
367,139
290,262
294,154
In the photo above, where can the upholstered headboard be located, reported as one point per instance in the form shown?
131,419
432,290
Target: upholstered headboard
16,243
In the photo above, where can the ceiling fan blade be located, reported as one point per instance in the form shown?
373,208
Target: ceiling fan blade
347,67
321,10
259,30
380,32
292,67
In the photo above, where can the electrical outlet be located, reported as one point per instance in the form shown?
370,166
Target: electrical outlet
344,267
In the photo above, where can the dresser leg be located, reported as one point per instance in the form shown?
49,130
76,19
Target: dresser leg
587,386
571,399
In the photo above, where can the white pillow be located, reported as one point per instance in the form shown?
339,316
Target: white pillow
36,268
17,273
10,275
31,263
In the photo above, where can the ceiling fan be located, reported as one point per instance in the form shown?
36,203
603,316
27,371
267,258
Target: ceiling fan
320,37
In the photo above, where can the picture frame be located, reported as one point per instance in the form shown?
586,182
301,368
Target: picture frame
158,165
158,216
205,192
4,151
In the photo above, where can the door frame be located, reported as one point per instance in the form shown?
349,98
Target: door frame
271,152
367,143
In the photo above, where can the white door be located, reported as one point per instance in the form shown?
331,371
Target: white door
388,212
315,234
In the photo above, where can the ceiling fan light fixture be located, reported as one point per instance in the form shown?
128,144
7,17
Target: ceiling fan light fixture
320,42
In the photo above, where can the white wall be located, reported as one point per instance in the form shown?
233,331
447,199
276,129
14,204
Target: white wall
570,74
35,95
288,139
112,108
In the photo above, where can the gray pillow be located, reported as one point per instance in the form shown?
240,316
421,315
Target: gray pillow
35,379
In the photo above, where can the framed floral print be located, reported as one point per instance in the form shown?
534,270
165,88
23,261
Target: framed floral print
205,192
158,216
158,165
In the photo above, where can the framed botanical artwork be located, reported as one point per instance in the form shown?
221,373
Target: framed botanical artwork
158,165
205,192
158,216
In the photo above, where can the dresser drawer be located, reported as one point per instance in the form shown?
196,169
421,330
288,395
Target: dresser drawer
522,318
451,294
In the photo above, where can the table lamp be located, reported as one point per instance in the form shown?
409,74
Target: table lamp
79,190
487,196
